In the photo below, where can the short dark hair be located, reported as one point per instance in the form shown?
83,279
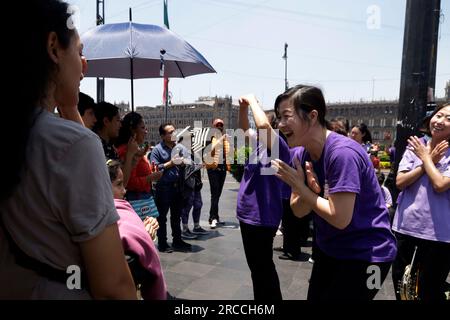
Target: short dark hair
162,128
362,127
104,109
426,121
305,99
344,122
85,102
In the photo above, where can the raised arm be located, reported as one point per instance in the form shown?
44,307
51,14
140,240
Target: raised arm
243,115
260,117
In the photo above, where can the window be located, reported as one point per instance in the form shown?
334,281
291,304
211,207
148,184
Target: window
375,135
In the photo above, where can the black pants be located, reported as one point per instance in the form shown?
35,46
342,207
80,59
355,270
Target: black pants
258,242
295,230
167,197
433,258
216,181
333,279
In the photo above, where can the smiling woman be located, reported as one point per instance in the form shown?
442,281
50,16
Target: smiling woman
351,219
422,217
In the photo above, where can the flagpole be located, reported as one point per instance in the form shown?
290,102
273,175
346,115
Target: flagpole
166,84
131,67
166,79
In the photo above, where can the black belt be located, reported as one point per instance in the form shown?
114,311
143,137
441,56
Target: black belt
41,268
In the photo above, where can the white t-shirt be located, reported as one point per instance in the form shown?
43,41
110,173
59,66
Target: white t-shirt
64,197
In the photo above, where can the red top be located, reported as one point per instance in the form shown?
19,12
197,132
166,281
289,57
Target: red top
138,176
376,163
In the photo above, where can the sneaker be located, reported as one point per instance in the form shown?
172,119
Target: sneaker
165,248
311,260
213,224
199,230
187,234
289,256
181,245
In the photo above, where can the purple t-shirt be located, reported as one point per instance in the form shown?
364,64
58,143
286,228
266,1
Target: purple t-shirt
423,212
345,167
259,201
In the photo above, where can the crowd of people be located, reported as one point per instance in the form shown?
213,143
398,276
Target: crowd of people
84,190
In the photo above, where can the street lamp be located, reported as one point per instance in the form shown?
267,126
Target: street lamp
286,84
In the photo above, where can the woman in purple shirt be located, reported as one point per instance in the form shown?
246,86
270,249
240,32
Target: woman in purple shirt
355,246
423,213
259,201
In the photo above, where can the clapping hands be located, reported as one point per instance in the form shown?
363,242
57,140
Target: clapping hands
151,226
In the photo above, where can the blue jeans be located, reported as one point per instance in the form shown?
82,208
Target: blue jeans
192,198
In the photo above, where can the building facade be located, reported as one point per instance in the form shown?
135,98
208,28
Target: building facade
379,116
205,109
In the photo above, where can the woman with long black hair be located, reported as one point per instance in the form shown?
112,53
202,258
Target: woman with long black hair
58,236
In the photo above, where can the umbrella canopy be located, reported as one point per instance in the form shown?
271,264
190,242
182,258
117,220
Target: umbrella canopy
133,51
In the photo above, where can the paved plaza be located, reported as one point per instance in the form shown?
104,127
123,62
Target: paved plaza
216,268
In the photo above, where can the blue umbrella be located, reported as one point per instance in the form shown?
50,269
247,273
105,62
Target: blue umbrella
136,51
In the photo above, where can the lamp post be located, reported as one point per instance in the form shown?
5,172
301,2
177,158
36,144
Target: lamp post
286,84
100,19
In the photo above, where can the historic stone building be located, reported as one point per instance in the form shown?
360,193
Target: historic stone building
379,116
205,109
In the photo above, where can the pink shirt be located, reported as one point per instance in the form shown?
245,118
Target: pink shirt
137,240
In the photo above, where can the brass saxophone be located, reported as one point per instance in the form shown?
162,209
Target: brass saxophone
409,285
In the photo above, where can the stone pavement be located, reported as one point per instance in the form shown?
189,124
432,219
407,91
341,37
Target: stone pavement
216,268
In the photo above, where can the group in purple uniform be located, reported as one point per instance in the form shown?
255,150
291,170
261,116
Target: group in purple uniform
332,177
